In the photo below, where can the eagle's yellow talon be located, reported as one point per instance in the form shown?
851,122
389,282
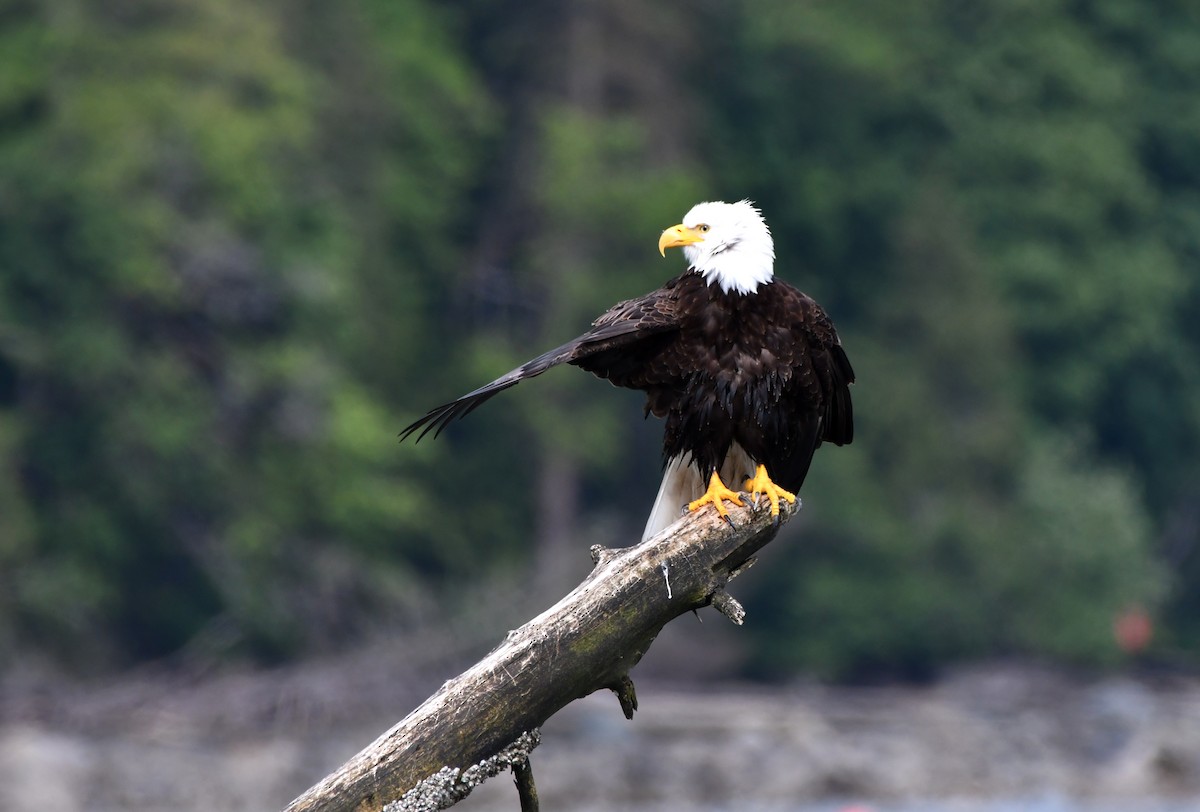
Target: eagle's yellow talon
761,485
716,493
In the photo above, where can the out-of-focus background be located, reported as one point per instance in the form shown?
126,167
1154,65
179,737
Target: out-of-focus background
244,242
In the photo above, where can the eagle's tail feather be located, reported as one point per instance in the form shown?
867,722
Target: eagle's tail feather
682,482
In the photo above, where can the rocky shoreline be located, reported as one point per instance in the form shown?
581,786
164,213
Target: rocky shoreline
253,741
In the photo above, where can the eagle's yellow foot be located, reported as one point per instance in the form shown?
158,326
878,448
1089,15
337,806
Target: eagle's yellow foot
716,493
761,484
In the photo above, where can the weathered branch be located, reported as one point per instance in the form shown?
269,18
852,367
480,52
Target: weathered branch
486,719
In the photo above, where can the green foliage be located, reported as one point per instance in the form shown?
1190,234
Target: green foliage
594,251
242,244
954,530
179,457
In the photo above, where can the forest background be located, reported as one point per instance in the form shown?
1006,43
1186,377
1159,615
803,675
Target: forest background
244,242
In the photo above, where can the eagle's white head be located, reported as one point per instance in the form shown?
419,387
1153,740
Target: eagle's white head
728,243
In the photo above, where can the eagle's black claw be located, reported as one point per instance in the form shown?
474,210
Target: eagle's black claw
729,519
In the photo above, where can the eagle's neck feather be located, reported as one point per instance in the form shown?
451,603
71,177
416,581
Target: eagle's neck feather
738,268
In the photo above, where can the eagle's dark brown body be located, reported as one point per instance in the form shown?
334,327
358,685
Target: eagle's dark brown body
764,370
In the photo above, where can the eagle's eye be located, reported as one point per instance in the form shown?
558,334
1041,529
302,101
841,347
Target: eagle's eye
702,228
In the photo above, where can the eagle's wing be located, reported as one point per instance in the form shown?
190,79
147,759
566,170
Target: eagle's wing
835,375
820,375
622,326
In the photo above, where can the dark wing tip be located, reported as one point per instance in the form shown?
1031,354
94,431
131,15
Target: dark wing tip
435,420
438,418
412,427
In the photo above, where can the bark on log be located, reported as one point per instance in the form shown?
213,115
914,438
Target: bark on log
487,718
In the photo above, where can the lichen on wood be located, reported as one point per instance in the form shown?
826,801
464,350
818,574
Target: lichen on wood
450,785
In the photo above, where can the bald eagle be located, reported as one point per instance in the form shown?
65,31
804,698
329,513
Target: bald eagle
748,372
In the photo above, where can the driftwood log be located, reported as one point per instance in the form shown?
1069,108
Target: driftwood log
487,719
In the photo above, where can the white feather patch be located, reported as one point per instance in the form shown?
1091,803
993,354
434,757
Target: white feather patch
682,483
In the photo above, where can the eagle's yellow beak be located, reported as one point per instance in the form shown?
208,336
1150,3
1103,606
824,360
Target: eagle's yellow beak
676,236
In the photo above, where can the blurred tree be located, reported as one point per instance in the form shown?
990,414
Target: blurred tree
886,120
1148,412
594,151
952,530
183,430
